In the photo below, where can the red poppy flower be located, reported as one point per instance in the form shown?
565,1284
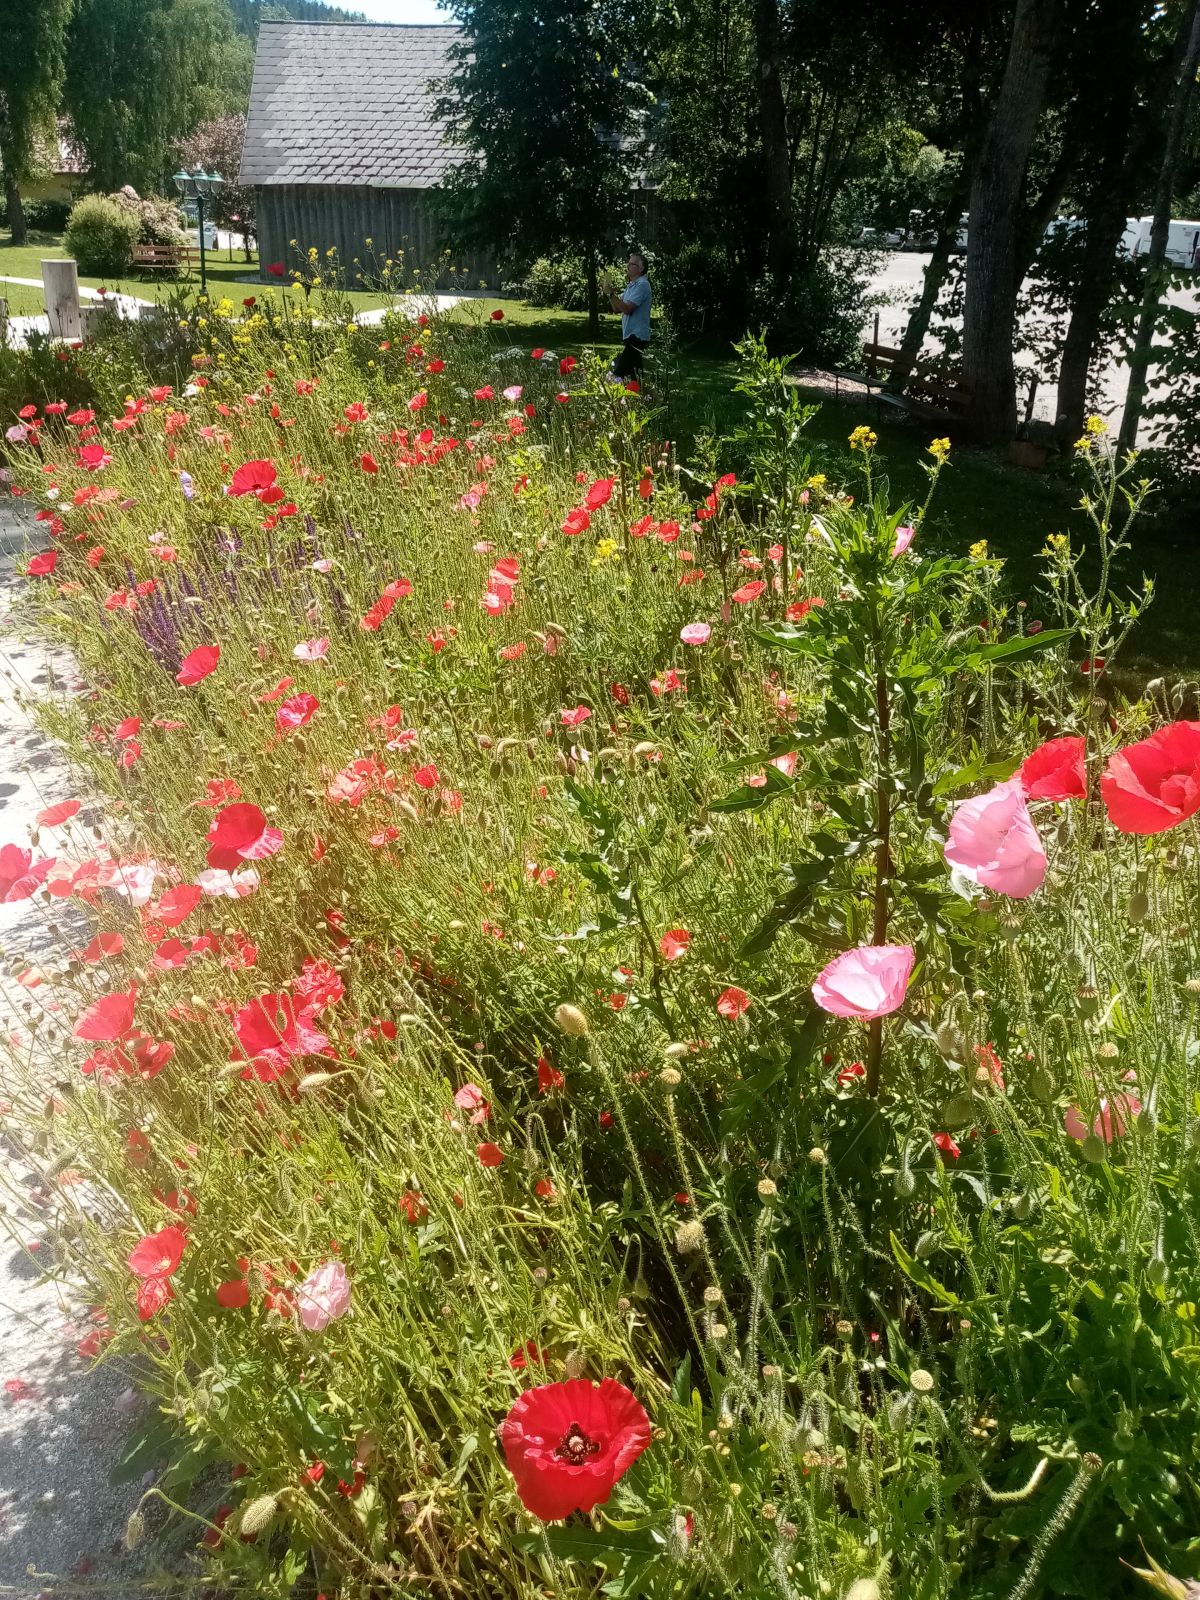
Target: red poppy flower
1155,784
749,591
368,462
110,1017
233,1295
947,1146
356,412
156,1255
177,904
497,315
1055,770
52,816
490,1155
674,944
576,521
296,712
575,716
732,1002
41,566
239,833
567,1444
19,873
599,494
272,1033
198,664
153,1294
103,947
256,478
274,269
548,1077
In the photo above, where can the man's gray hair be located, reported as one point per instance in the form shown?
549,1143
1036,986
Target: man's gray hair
638,256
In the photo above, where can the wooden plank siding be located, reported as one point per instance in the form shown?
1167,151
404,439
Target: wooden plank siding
397,222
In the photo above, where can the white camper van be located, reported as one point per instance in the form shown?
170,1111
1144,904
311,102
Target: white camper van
1183,240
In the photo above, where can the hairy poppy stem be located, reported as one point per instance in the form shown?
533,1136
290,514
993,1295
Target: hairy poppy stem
883,831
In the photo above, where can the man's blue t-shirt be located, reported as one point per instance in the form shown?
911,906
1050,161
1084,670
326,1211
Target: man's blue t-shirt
635,324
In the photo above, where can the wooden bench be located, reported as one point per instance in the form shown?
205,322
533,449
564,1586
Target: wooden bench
934,390
168,258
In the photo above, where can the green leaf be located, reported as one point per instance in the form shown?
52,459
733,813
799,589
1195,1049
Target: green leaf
682,1381
806,877
1024,645
746,798
148,1445
916,1272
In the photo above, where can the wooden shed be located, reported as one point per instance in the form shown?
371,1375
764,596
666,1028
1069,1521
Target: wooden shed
342,147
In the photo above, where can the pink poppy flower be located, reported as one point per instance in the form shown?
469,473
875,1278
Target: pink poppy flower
1110,1122
870,981
696,633
904,537
296,712
993,842
575,717
323,1296
311,650
749,591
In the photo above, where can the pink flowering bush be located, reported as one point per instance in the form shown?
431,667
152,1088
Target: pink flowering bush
617,1029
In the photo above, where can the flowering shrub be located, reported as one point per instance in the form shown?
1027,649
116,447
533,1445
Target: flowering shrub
629,1040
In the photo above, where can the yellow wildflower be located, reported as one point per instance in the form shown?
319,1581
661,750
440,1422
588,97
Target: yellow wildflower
979,550
606,550
863,438
1095,425
939,449
817,481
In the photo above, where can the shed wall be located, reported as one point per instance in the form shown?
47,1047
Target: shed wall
397,221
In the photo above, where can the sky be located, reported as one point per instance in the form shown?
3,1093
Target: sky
399,10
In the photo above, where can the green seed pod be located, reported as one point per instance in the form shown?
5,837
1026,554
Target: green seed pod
959,1110
904,1183
1022,1207
1138,908
1094,1150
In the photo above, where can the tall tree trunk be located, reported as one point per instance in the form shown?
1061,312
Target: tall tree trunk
1113,162
1139,356
16,211
936,268
996,188
781,241
593,292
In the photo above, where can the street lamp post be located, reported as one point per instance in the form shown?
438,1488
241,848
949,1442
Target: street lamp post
194,186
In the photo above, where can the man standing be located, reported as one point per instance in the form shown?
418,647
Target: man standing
635,318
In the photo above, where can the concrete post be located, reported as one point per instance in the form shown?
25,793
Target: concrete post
60,280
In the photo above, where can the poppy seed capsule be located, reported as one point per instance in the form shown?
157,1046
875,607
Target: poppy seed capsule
674,1052
572,1021
670,1077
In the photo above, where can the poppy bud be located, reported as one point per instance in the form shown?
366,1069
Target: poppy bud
1138,908
863,1589
314,1080
135,1530
689,1237
674,1051
904,1183
572,1021
257,1515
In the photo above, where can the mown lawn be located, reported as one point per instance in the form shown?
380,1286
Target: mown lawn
981,497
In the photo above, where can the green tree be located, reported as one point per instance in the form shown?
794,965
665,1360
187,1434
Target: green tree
217,147
31,72
142,74
547,101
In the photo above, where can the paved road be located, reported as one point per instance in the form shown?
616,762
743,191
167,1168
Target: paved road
62,1423
900,279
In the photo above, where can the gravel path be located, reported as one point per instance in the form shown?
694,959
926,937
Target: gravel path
62,1426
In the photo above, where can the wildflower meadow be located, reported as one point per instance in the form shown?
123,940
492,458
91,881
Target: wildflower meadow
620,1025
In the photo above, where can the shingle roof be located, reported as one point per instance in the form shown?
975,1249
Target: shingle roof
346,103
